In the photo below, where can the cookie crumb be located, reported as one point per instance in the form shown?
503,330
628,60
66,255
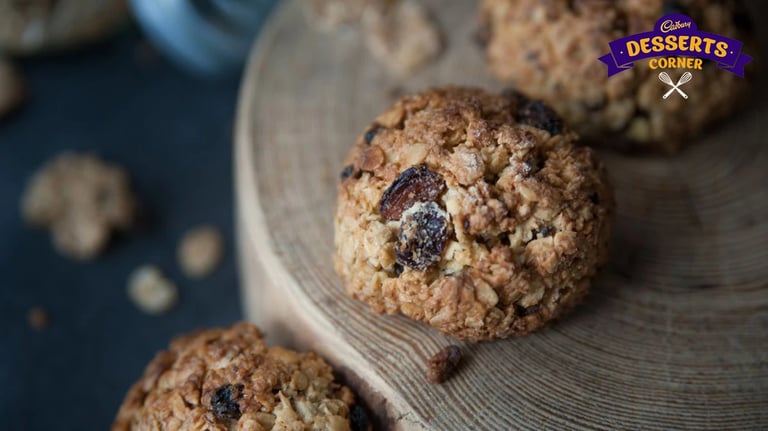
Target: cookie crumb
200,251
38,318
151,291
81,200
442,365
403,36
11,88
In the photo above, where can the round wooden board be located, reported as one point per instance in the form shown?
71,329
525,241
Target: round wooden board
673,335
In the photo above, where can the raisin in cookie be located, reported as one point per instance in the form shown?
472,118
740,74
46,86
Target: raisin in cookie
560,66
228,379
471,212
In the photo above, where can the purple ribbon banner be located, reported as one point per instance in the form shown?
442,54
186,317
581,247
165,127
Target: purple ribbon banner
665,41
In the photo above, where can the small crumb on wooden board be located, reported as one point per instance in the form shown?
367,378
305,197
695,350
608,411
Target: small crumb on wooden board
443,364
151,291
200,251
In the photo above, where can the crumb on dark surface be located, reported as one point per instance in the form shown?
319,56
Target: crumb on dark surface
443,364
38,318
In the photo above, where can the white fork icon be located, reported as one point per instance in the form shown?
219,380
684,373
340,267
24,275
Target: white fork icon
664,77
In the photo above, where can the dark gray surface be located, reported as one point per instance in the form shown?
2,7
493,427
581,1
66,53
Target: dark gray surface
173,134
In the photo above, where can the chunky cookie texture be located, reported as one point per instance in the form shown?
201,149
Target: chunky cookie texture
82,200
626,111
228,379
472,212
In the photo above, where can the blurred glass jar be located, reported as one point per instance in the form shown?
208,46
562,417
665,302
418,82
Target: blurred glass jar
208,37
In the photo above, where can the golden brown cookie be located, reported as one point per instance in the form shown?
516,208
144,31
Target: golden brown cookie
31,26
228,379
472,212
551,49
81,199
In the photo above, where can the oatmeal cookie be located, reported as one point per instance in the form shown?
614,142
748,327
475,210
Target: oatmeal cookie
228,379
81,199
560,66
471,212
31,26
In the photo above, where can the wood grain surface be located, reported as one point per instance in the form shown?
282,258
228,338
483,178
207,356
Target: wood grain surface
673,336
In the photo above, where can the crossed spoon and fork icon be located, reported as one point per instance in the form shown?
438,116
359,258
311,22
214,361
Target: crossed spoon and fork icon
664,77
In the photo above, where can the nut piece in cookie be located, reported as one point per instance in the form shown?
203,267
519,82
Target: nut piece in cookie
479,216
200,251
402,35
11,88
81,199
228,379
626,111
151,291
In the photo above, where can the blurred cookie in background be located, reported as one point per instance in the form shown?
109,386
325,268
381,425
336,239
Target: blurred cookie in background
34,26
81,200
551,49
402,35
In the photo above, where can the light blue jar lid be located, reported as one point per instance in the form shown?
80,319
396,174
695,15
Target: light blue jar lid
207,37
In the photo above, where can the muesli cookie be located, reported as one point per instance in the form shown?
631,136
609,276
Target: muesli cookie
551,49
228,379
472,212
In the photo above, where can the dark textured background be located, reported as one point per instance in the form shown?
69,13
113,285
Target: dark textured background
173,133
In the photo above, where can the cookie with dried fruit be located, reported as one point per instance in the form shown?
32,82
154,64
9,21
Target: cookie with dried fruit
225,379
480,217
625,111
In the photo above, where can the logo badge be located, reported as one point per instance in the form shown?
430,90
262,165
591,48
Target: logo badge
676,42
